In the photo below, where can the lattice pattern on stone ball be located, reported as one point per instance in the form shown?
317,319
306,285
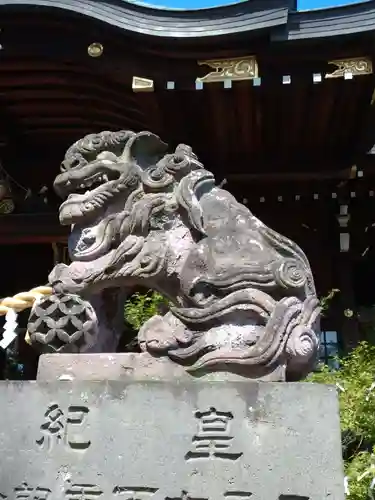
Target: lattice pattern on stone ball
62,323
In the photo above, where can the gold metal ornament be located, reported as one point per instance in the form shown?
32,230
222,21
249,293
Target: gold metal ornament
348,313
354,66
140,84
95,49
235,69
6,206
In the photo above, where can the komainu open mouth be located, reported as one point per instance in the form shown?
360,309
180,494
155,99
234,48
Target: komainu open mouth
87,190
91,183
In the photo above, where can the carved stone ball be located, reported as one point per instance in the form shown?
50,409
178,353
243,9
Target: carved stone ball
62,323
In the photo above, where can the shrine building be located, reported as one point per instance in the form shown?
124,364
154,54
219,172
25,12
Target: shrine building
278,103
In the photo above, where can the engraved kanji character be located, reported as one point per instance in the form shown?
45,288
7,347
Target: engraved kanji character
185,496
134,492
293,497
53,427
237,495
76,416
213,438
83,492
26,492
56,427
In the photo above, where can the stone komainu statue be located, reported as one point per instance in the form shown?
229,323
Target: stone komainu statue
242,296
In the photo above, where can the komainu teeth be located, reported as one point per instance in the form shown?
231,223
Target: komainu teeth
92,182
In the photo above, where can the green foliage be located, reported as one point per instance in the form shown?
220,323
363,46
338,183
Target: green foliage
141,307
360,471
355,381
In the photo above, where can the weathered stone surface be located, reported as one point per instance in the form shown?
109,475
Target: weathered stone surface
242,296
121,366
140,440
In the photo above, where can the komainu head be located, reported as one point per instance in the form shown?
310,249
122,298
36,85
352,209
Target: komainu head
242,296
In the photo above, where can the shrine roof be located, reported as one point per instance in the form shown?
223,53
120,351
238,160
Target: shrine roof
279,17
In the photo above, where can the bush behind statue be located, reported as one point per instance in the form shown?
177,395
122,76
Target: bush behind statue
355,381
140,307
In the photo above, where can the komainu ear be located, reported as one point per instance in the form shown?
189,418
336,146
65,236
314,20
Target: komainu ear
145,148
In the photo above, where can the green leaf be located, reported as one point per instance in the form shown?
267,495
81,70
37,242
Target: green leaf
141,307
355,381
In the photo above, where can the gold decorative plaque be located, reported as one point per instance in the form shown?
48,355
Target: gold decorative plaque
237,69
140,84
355,66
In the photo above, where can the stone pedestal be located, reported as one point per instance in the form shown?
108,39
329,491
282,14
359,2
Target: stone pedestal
126,367
145,438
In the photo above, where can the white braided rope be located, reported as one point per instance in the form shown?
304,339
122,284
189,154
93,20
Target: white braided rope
23,300
11,306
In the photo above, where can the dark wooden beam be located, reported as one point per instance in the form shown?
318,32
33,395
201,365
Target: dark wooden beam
281,177
31,228
366,137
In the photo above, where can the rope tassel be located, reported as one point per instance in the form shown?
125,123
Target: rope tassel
10,327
